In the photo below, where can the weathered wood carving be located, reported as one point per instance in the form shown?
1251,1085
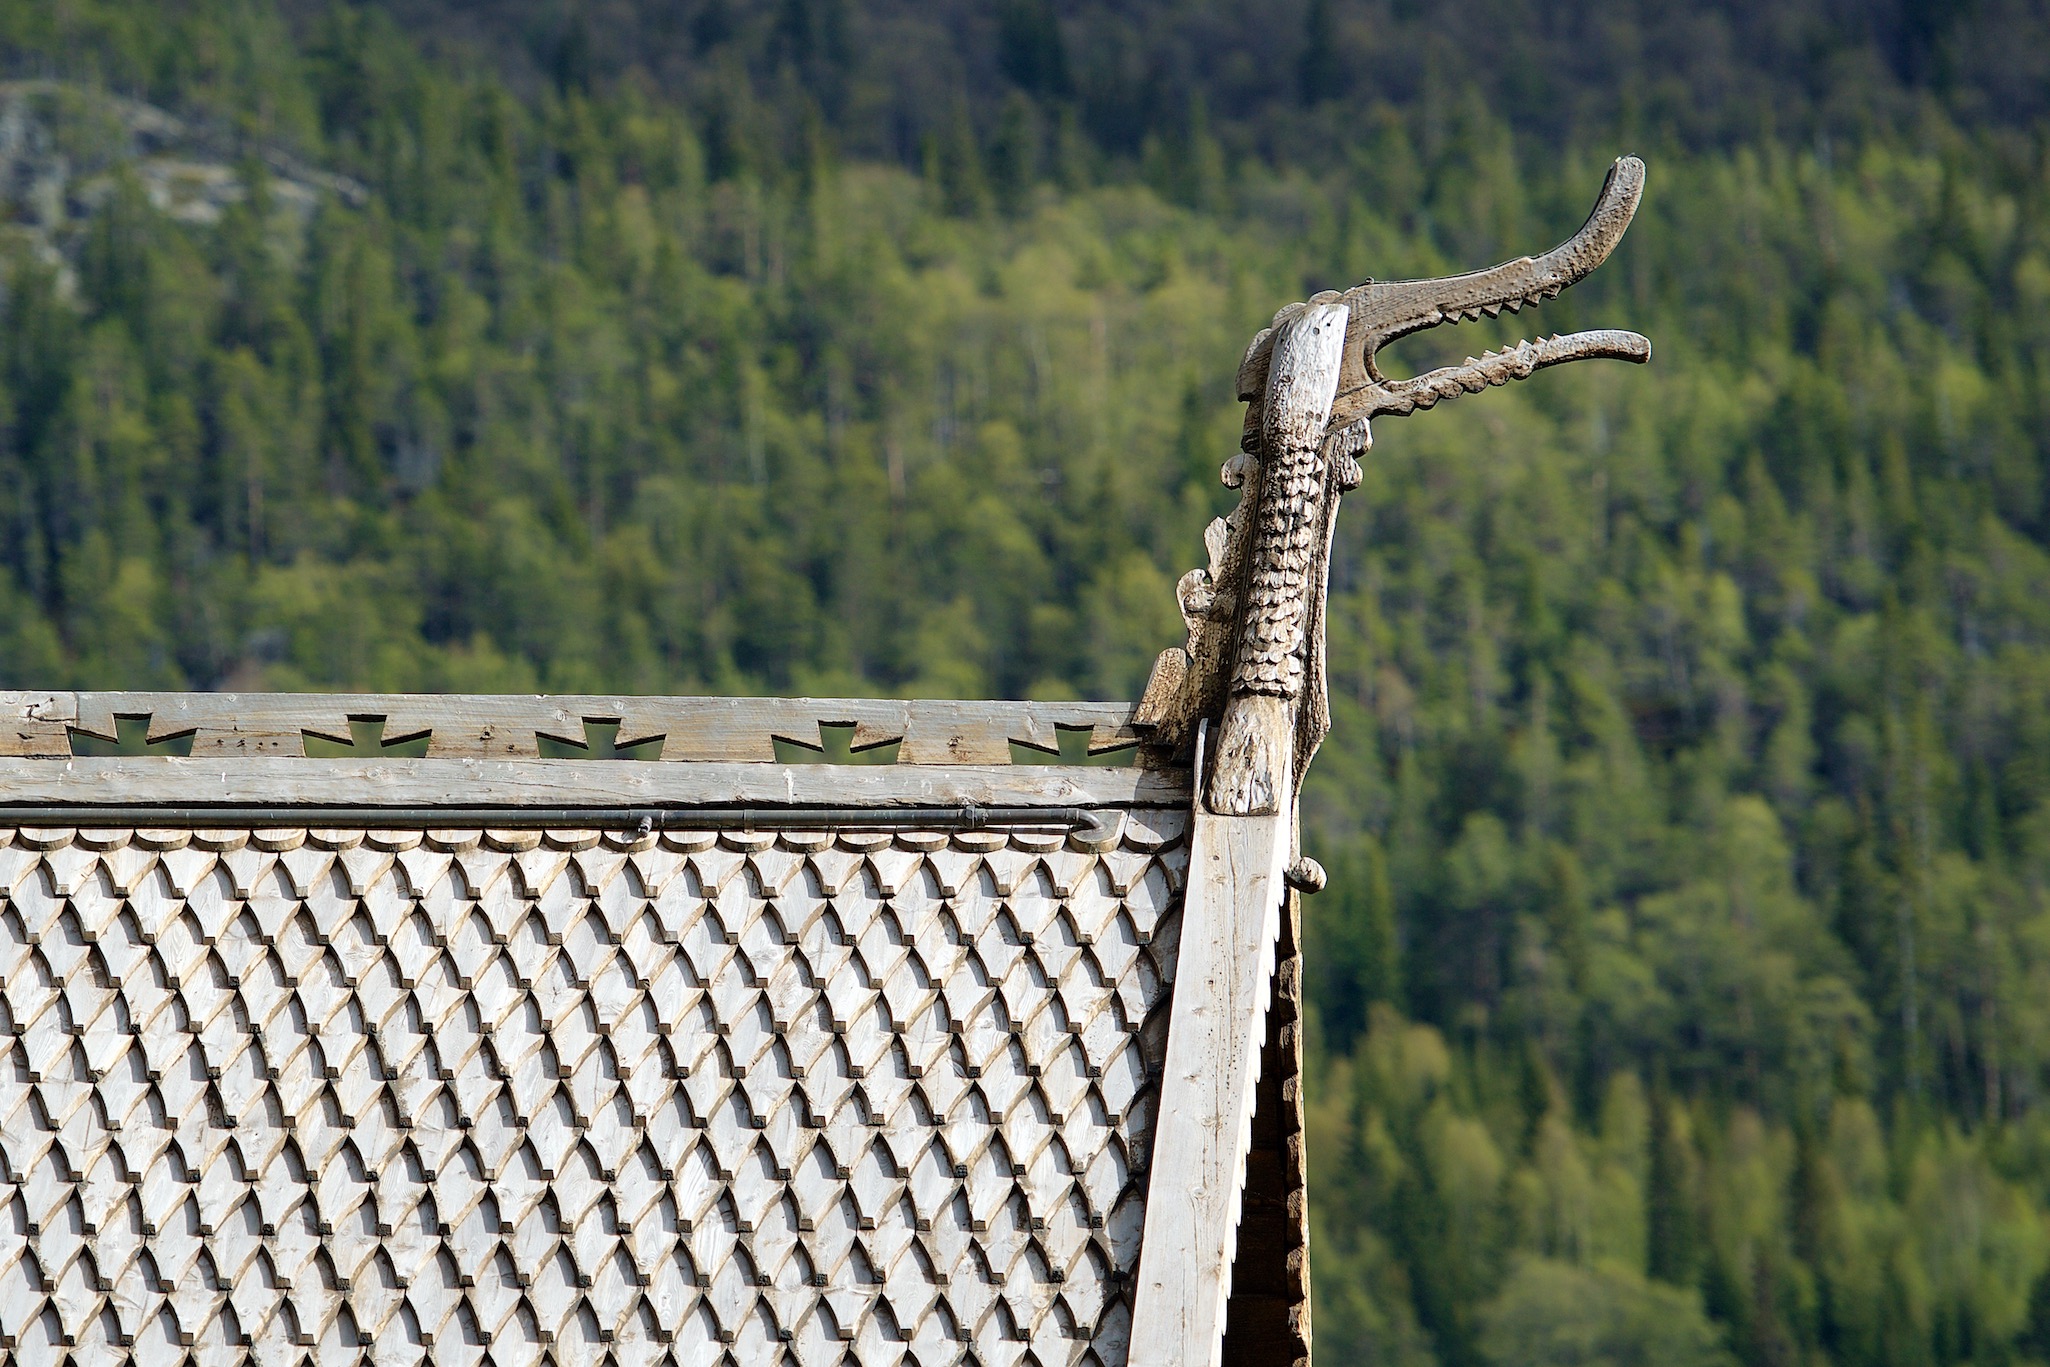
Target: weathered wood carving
1254,660
461,1041
237,726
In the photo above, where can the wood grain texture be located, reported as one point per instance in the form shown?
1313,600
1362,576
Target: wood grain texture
1267,1319
1382,311
737,730
1286,555
345,1096
1230,920
576,783
1258,608
1187,686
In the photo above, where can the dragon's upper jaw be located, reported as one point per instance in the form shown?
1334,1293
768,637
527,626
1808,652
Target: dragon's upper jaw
1381,312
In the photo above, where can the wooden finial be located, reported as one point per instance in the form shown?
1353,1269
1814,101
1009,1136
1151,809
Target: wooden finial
1254,660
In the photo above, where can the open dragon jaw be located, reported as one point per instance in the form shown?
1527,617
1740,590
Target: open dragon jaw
400,1029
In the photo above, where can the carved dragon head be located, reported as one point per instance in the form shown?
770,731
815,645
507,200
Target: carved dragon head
1379,312
1255,616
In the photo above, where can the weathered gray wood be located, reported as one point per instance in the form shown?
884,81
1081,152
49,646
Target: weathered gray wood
1188,682
1230,919
1313,385
1257,731
505,726
1267,676
1267,1318
563,782
1258,608
1398,398
336,1064
1382,311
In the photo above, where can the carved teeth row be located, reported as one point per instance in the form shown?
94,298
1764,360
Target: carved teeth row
1475,314
1516,350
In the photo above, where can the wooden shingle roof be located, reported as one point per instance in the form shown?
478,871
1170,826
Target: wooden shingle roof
346,1025
702,1030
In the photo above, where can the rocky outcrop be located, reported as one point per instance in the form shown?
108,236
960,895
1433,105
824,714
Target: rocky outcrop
65,148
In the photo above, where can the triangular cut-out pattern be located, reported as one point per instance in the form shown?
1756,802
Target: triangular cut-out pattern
1075,745
344,1096
837,744
131,738
366,740
601,741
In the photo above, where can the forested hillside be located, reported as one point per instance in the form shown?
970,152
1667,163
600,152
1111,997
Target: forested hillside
1683,991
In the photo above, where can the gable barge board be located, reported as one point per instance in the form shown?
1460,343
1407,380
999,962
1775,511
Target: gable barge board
569,783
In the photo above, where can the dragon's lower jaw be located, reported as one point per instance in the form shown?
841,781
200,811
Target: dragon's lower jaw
1398,397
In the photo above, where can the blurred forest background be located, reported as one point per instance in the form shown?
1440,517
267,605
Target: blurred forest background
1683,993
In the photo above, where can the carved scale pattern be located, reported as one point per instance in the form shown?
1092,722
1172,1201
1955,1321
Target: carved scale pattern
1285,546
290,1096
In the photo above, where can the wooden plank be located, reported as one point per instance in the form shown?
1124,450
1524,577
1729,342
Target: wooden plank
1267,1319
499,726
561,782
36,723
1231,917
